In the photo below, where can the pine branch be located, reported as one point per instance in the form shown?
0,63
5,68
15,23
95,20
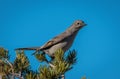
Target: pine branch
71,57
21,63
55,69
59,65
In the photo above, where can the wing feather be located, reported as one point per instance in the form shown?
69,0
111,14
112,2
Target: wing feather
55,40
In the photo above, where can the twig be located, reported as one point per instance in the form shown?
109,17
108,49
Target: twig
63,76
12,77
14,74
0,76
51,65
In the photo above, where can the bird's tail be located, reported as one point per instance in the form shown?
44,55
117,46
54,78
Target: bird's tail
30,48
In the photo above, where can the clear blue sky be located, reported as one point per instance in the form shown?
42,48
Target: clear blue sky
31,23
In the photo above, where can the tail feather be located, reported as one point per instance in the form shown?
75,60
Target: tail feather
30,48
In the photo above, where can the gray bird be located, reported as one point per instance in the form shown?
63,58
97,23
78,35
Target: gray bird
63,41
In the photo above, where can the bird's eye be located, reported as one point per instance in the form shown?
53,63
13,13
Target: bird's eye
78,23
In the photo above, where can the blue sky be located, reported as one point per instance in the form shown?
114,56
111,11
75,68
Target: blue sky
32,23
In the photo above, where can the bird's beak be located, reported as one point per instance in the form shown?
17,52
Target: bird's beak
85,25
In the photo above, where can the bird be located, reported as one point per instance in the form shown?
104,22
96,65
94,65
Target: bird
62,41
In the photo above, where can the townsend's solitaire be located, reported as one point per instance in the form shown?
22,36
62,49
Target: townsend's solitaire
62,41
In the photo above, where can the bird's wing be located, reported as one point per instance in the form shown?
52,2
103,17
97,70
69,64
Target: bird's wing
28,48
50,43
55,40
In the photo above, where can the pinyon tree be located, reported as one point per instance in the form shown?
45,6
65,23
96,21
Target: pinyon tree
20,68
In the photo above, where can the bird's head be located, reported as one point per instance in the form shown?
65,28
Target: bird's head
76,26
79,24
